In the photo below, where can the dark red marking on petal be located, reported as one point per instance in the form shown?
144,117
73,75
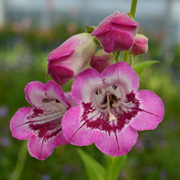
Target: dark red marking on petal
36,112
47,130
78,130
102,121
116,137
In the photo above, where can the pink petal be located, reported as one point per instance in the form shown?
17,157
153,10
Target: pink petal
152,111
61,51
54,91
123,40
17,124
107,41
37,91
123,74
41,149
60,74
117,143
104,27
61,140
85,84
75,131
100,63
68,96
123,19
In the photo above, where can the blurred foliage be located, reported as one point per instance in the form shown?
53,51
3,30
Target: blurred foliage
23,59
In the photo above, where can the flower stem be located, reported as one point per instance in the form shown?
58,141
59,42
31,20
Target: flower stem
130,59
20,162
133,8
125,56
117,56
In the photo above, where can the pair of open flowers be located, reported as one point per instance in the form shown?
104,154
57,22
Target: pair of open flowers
104,106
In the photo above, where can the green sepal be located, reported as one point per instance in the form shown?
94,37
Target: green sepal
93,168
89,29
142,65
114,166
130,16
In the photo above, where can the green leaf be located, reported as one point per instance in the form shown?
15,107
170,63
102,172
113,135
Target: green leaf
142,65
93,168
114,166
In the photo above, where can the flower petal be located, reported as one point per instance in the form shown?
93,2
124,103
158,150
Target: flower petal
123,19
123,40
117,143
37,91
61,140
85,84
68,96
59,73
152,111
75,131
122,73
107,41
61,51
104,27
41,149
17,126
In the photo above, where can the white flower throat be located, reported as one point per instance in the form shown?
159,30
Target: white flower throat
56,103
109,98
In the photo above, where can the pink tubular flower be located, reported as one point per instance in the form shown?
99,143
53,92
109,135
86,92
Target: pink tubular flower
100,60
65,62
140,45
116,32
41,124
110,110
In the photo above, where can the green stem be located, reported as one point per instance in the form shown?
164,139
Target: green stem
125,56
133,8
20,162
117,56
130,59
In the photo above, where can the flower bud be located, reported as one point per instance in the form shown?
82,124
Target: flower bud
116,32
69,59
140,45
101,60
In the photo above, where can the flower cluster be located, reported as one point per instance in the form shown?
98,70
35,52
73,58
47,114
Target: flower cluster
104,106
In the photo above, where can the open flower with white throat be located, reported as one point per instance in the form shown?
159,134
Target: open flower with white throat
110,110
41,124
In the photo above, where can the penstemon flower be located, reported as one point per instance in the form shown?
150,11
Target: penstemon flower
69,59
41,124
116,32
110,110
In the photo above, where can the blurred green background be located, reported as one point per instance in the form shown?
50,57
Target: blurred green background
23,54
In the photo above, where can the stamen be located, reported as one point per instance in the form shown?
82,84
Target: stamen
47,100
118,103
114,87
99,91
98,107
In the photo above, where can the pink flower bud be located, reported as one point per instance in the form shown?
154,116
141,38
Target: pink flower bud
140,45
101,60
116,32
65,62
